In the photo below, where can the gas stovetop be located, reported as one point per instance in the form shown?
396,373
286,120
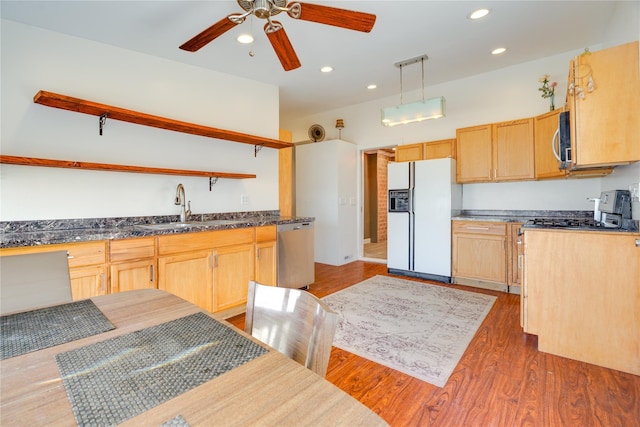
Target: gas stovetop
574,223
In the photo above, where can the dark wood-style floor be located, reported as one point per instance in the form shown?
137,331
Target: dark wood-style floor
501,380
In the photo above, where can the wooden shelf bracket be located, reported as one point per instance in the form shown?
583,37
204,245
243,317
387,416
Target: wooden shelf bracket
102,121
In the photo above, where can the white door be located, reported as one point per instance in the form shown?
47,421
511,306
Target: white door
398,222
432,207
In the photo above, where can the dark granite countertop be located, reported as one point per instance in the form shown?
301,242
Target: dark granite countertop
517,216
47,232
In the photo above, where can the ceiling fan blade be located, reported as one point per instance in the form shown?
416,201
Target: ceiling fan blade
282,45
208,35
351,20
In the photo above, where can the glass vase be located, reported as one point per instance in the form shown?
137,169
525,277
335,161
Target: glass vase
552,105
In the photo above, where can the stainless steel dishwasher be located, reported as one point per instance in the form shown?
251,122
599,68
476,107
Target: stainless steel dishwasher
296,255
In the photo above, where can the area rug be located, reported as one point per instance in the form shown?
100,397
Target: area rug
416,328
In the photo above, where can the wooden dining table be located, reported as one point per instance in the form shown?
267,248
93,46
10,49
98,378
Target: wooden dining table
268,390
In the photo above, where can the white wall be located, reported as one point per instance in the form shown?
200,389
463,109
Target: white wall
35,59
505,94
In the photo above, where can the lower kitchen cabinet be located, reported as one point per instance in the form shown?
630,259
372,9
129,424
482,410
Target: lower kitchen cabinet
87,282
514,257
128,276
232,270
132,264
266,261
189,276
581,295
210,269
479,254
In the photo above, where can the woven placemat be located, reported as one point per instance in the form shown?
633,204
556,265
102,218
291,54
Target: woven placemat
114,380
37,329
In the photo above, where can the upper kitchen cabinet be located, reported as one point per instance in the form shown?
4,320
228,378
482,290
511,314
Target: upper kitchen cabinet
426,151
546,164
603,99
473,145
495,152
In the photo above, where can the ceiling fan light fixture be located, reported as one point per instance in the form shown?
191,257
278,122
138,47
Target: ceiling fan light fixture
245,38
479,13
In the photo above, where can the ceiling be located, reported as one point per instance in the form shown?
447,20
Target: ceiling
457,46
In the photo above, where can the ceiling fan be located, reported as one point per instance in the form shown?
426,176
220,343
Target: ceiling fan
267,9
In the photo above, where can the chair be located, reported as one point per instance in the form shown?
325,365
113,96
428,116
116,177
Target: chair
292,321
33,281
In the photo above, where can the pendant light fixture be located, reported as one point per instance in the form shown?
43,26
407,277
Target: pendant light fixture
432,108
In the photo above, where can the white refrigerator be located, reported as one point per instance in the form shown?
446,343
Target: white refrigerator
423,196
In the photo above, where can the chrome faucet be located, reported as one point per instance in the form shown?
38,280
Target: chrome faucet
180,200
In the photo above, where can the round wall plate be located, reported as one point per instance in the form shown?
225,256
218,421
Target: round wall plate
316,133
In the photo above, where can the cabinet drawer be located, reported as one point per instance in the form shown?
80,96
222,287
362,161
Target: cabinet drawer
480,227
79,254
189,242
266,234
129,249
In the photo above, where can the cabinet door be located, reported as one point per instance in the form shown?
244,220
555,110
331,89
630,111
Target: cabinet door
87,282
513,257
546,163
409,153
233,268
133,275
189,276
479,251
479,257
513,150
473,149
266,263
604,120
583,296
440,149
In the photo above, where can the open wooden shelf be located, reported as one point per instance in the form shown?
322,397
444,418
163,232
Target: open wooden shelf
87,107
69,164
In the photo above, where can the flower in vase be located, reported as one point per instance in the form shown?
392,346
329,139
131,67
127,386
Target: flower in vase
547,88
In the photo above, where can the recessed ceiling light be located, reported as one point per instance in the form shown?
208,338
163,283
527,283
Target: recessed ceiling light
245,38
498,51
477,14
372,87
326,69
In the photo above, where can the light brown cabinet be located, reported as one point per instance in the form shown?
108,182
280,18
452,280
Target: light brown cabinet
479,254
473,146
603,94
513,150
189,276
426,151
514,257
132,264
581,295
266,262
211,269
495,152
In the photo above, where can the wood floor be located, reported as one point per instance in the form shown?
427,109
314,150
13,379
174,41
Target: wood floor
501,380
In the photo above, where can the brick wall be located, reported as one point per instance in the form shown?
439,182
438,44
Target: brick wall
383,159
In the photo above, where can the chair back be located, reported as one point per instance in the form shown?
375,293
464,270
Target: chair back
32,281
293,322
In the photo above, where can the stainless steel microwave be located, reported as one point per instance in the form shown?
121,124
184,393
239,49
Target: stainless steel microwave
561,142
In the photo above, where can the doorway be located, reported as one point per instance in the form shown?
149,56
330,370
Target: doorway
374,204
